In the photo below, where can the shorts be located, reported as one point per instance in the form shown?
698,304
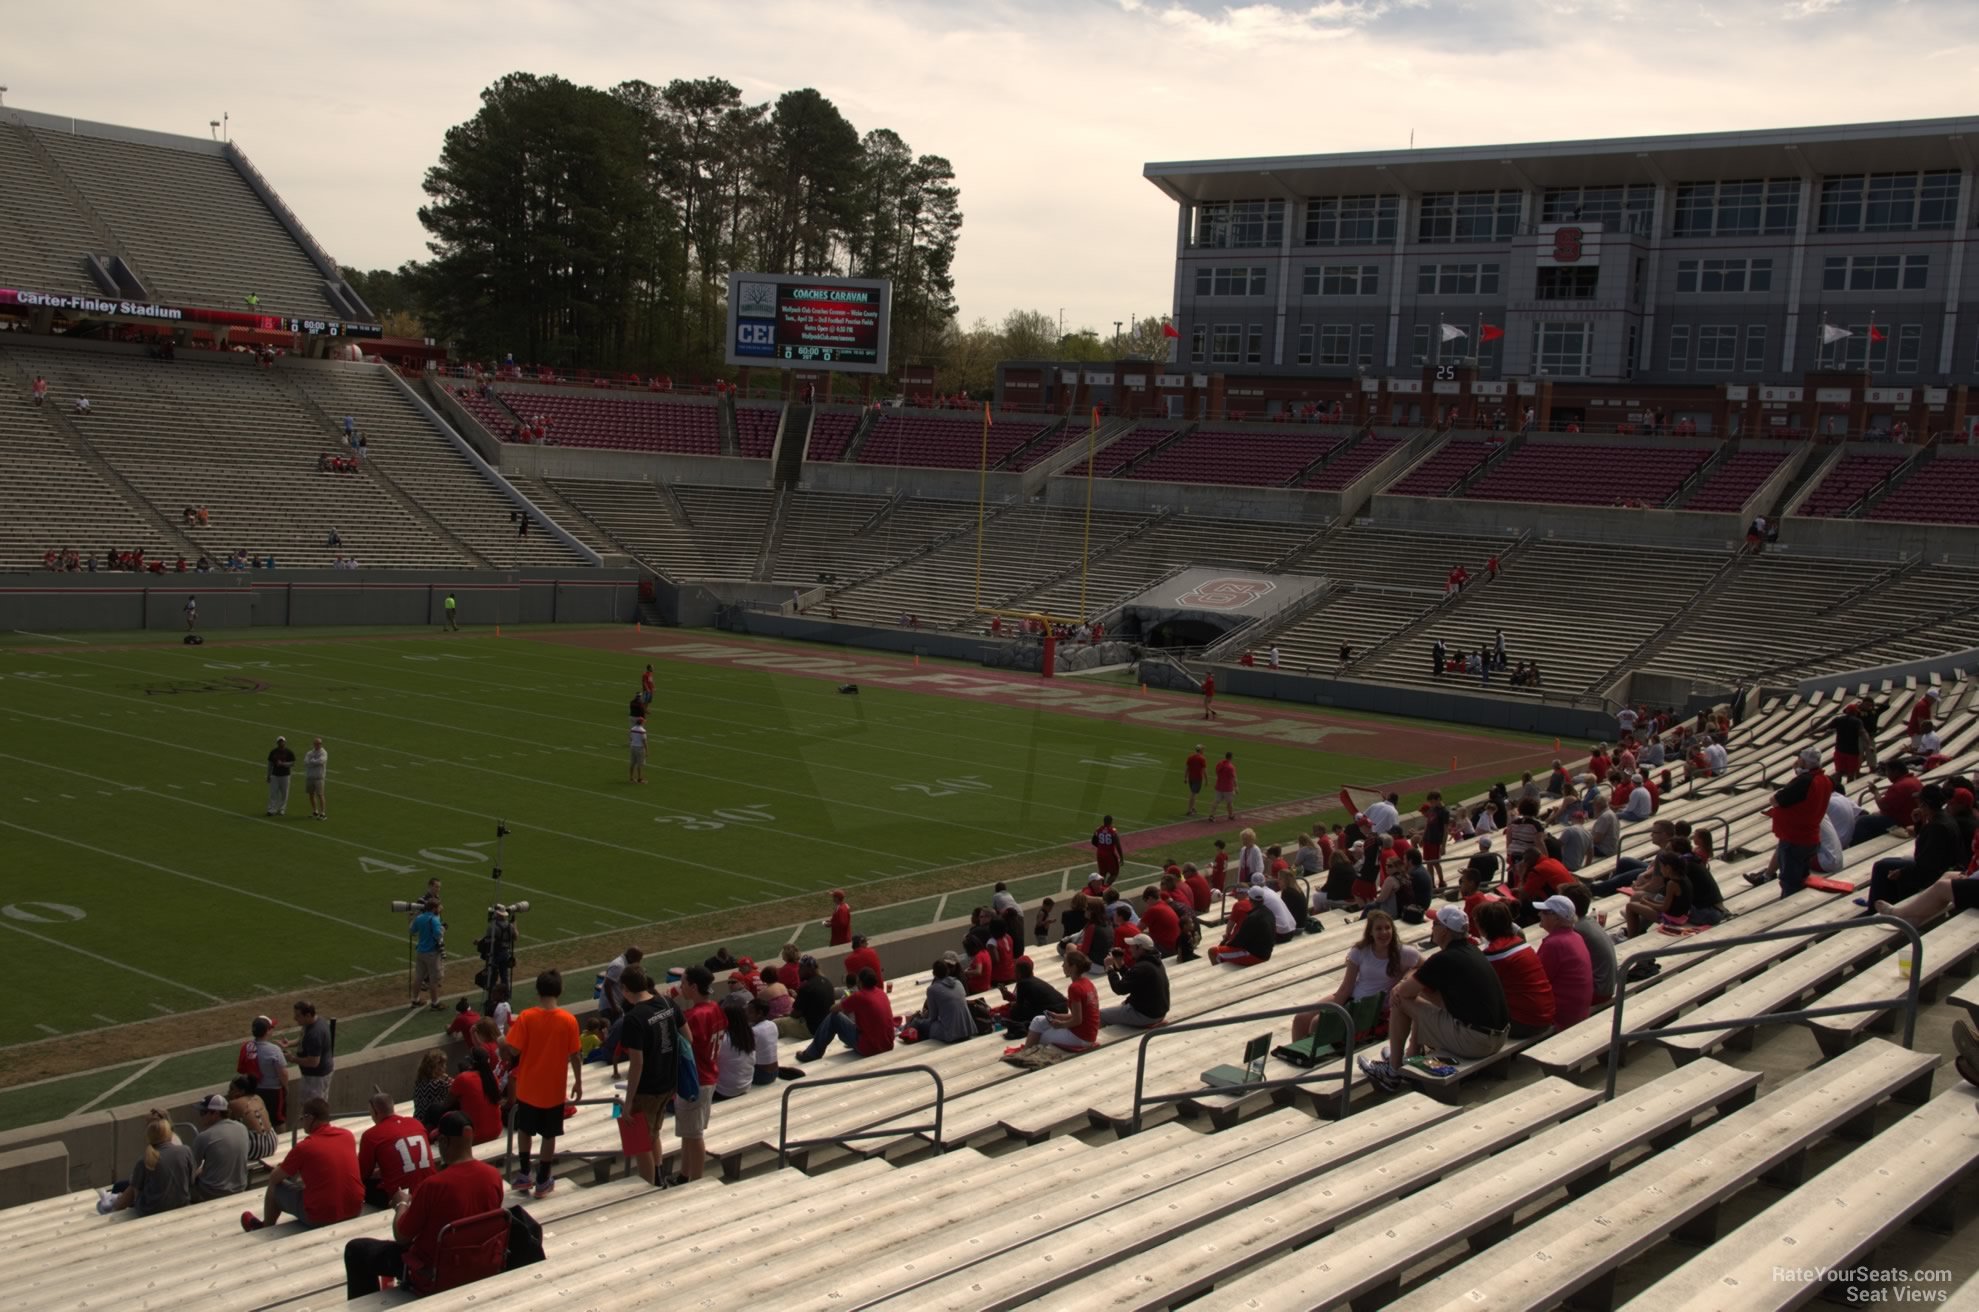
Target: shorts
650,1106
639,756
1439,1031
1432,851
1224,796
690,1119
1195,786
429,972
1846,763
313,784
531,1119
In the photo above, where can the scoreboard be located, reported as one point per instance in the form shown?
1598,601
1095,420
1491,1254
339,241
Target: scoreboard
785,322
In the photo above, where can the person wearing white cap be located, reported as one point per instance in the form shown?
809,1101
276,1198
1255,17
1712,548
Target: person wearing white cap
1797,812
1453,1004
1251,936
1640,804
281,762
1144,984
1569,968
219,1153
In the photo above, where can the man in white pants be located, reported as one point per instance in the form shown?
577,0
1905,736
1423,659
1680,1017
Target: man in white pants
281,761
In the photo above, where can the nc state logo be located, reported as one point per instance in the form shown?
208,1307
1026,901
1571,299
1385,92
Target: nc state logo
1566,245
1225,593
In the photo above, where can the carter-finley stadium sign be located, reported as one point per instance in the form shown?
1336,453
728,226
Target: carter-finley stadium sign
11,297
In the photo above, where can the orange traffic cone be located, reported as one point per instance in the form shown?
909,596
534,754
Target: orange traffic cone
1556,744
636,627
1453,763
917,660
498,630
1144,690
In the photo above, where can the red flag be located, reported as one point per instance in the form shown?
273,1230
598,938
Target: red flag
1168,330
1876,334
1491,332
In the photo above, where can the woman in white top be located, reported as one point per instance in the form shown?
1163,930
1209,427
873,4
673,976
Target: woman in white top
1375,966
764,1029
735,1053
315,766
1250,858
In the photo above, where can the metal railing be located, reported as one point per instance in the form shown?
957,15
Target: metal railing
785,1144
1618,1038
1143,1099
594,1156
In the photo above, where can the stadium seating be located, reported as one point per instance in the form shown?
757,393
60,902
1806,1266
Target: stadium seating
837,534
910,438
1587,474
56,501
1733,482
684,532
498,419
1346,466
831,433
1249,457
218,433
192,226
626,422
1945,491
756,428
1146,555
1053,442
1135,444
1851,477
1449,465
43,236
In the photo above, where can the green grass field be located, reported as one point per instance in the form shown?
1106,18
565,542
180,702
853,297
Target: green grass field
142,882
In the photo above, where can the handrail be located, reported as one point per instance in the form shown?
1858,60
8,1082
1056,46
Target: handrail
1618,1037
594,1155
784,1143
1143,1099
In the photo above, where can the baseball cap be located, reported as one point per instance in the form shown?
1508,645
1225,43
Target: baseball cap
1484,842
747,963
838,894
1025,960
261,1027
807,960
1141,941
1561,907
1810,757
213,1102
1962,795
1453,918
952,957
454,1125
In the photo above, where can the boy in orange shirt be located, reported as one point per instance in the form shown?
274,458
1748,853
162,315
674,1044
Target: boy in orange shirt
539,1044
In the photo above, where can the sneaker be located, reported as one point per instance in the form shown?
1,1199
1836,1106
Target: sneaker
1757,877
1970,1070
1966,1039
522,1182
1380,1074
250,1222
545,1189
1862,902
106,1202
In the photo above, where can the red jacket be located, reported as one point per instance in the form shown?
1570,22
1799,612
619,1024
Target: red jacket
1799,808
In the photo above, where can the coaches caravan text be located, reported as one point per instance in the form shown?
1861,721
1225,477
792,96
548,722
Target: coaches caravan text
90,303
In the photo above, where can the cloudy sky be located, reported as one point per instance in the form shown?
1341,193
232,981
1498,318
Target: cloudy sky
1047,108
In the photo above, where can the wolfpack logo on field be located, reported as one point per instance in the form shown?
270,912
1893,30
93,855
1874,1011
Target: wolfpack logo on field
1228,593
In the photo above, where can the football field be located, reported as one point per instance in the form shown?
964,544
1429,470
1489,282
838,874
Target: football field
141,882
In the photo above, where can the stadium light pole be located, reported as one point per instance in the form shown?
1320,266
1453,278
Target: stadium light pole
213,126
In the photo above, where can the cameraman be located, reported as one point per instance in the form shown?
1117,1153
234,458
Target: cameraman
429,935
498,948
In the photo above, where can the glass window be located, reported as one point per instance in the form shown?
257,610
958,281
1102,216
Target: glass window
1336,344
1937,199
1457,280
1306,335
1679,348
1561,349
1364,356
1856,352
1342,279
1916,272
1687,276
1888,202
1742,208
1451,216
1254,349
1198,335
1236,224
1834,273
1725,275
1717,348
1910,344
1566,284
1755,348
1628,358
1226,344
1351,220
1419,344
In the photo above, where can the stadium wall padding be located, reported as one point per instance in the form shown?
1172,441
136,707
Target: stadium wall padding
57,602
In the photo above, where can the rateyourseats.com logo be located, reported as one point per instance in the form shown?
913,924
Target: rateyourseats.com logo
1872,1284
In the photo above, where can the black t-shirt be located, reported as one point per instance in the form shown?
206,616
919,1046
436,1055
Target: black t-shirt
813,1001
1848,735
652,1027
1033,997
1146,985
1704,890
1439,825
280,761
316,1043
1258,934
1468,986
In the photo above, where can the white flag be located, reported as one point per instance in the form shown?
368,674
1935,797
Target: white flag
1451,332
1831,333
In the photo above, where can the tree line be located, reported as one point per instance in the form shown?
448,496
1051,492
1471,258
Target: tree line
579,227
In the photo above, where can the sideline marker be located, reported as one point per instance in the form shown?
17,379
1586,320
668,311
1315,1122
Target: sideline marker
1453,763
498,630
1556,744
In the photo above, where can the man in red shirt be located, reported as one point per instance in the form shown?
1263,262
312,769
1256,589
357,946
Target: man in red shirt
1797,812
317,1183
393,1154
1193,771
1159,922
1209,695
1896,805
703,1025
646,686
1200,894
861,958
840,923
1107,853
1540,877
1226,786
863,1020
1247,660
462,1189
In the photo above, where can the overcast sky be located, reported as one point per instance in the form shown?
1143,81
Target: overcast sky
1047,108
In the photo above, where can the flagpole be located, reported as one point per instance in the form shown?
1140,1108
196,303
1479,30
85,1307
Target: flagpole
982,496
1086,543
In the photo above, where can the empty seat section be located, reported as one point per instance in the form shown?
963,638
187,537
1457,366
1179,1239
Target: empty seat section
831,433
905,438
43,236
1348,465
1732,483
1449,465
194,228
1945,491
1590,474
1259,459
1844,485
56,500
497,418
1114,460
680,427
755,429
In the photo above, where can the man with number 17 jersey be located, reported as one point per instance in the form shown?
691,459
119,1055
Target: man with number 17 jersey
393,1154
